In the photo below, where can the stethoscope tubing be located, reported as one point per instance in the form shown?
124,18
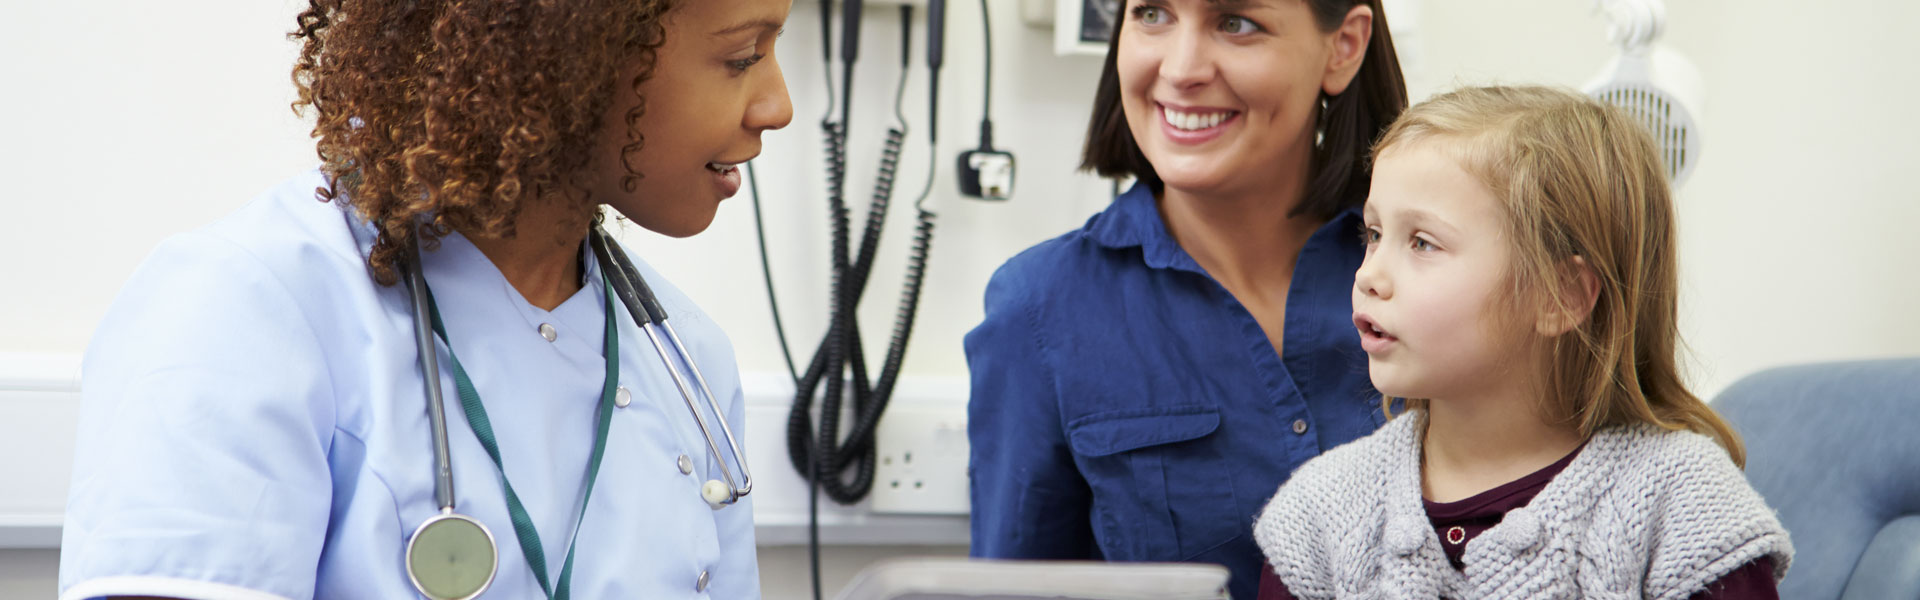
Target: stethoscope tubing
436,405
746,476
647,315
651,318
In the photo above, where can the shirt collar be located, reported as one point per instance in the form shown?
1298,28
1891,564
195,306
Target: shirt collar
1134,220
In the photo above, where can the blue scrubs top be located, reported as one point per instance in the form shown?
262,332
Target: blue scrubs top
254,425
1125,406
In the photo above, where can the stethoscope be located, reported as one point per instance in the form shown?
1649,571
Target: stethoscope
452,556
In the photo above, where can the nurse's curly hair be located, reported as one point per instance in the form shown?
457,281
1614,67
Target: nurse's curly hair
435,115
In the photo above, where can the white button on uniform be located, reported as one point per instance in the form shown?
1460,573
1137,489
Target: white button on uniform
1299,425
622,397
546,331
700,585
686,465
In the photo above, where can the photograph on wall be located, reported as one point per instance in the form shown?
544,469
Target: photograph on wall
1096,20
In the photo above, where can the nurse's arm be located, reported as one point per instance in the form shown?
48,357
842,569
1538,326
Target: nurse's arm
206,421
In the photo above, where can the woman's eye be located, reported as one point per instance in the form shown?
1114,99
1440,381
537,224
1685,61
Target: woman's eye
741,65
1238,25
1150,15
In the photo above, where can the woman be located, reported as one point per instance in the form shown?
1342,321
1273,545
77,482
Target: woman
1142,385
255,420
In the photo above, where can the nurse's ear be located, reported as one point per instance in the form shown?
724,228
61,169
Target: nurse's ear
1347,49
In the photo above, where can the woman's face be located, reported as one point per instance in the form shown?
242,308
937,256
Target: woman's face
715,88
1221,95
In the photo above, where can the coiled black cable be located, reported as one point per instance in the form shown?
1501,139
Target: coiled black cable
822,459
824,455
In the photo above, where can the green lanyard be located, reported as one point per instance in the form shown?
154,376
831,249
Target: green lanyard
483,429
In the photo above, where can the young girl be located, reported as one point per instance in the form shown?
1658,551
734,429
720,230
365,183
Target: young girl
1518,302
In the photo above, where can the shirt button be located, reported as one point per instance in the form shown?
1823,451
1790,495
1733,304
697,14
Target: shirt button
547,331
686,465
622,397
700,585
1299,426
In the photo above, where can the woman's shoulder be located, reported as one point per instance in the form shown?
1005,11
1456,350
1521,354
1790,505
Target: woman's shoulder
1104,254
1064,260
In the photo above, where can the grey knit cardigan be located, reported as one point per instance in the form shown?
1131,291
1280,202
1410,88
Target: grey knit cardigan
1642,512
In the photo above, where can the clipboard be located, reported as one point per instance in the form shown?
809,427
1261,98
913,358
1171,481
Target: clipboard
974,579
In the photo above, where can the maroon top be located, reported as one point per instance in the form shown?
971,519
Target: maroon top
1459,522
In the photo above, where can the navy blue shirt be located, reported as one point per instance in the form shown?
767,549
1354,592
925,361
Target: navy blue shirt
1125,406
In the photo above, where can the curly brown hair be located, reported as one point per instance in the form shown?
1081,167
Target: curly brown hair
436,115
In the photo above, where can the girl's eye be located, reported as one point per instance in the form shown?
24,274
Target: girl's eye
1422,245
741,66
1370,236
1150,15
1238,25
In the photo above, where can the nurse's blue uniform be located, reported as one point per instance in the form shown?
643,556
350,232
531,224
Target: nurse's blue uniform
254,425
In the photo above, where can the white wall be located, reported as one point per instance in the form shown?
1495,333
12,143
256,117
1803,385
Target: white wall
1796,230
129,121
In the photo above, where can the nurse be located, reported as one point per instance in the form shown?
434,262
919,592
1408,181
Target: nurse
255,421
1142,385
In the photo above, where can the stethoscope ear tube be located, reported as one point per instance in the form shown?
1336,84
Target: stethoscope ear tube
627,284
648,315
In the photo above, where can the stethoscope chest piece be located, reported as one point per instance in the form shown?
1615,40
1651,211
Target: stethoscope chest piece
451,557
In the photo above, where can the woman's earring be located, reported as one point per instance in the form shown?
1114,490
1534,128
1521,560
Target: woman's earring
1320,124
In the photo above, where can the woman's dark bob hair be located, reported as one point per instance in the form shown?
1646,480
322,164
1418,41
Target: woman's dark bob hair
1349,125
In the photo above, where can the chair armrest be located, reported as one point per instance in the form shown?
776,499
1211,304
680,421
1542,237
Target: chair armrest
1890,568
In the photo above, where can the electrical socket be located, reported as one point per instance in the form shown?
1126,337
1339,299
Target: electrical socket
922,453
986,174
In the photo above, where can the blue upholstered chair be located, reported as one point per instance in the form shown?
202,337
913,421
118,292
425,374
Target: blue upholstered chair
1835,448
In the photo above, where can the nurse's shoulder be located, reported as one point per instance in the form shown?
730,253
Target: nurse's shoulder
289,231
208,406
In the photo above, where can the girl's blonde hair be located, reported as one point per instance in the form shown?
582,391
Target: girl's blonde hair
1578,178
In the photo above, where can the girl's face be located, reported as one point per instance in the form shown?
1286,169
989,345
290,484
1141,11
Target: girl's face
1426,298
715,88
1222,95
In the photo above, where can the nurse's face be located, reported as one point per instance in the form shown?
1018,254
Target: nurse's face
1221,95
715,88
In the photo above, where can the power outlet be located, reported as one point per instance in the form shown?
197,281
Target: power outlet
986,174
922,468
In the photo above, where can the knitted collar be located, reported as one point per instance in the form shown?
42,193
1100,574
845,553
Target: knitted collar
1409,538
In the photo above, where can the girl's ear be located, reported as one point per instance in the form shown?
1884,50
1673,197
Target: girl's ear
1579,290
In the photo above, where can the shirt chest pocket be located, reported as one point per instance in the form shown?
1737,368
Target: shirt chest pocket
1161,479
